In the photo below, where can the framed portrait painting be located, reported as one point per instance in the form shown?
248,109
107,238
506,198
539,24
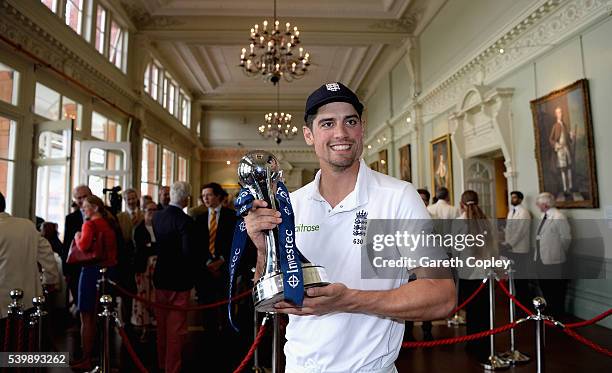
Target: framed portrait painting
405,163
374,166
564,149
441,164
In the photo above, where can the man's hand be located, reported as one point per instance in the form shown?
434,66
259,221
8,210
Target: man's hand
320,301
260,220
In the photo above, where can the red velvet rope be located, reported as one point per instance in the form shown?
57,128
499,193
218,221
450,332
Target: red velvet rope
465,338
249,354
469,299
130,350
177,308
7,334
591,321
568,327
587,342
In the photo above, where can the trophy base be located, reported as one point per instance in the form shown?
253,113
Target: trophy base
268,290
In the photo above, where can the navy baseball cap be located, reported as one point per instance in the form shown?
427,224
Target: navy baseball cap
328,93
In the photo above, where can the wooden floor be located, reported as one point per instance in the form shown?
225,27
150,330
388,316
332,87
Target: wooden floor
563,354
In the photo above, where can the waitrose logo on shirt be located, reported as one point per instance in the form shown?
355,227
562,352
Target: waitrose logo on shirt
306,228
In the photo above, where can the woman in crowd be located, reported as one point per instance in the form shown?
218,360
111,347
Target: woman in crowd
475,222
99,225
144,265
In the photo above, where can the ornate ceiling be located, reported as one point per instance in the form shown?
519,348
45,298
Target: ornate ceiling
348,40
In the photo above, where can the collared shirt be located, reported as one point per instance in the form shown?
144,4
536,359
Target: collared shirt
151,233
443,210
348,342
217,210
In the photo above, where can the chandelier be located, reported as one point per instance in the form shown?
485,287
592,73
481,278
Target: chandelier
274,53
278,124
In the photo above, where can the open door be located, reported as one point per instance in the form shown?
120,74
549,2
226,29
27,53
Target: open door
52,170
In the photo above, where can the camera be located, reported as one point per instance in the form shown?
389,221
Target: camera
114,196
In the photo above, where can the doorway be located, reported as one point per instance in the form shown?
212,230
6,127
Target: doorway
485,176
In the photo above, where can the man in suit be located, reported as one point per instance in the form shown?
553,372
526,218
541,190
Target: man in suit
163,197
442,209
553,238
216,225
72,225
174,274
22,249
516,243
128,219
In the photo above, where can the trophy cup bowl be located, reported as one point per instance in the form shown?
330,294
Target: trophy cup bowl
259,171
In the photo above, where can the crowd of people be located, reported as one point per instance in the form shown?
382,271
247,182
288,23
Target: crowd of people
154,250
539,269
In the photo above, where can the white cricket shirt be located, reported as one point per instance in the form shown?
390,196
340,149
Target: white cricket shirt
347,342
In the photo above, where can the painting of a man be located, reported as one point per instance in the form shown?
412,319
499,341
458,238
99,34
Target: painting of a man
565,152
562,139
441,164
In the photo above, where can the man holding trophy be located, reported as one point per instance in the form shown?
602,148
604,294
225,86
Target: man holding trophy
351,324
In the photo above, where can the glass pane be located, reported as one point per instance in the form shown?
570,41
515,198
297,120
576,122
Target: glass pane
114,160
116,45
105,129
113,131
7,138
51,4
182,169
100,28
149,161
98,125
96,184
9,84
47,102
164,95
97,159
72,110
108,160
171,93
53,144
6,182
147,79
74,14
154,81
167,167
51,194
148,189
186,111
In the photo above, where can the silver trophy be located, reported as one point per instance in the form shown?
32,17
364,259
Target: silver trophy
259,171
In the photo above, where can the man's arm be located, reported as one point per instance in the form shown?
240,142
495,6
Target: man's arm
420,300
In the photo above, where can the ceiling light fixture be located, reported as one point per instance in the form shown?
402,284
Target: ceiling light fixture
272,52
278,124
